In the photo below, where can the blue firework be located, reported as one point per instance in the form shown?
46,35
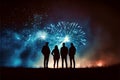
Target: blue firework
66,32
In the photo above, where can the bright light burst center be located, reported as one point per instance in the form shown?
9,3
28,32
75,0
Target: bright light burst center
66,39
41,35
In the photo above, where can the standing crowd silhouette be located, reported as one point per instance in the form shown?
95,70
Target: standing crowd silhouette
63,52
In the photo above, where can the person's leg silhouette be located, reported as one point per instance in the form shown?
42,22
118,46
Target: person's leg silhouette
74,61
47,62
57,63
54,62
44,62
62,62
70,62
66,61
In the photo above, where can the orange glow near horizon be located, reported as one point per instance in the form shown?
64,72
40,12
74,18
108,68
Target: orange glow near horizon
80,63
100,64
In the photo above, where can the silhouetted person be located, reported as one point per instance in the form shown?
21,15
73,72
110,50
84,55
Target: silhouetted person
64,52
46,52
72,51
56,55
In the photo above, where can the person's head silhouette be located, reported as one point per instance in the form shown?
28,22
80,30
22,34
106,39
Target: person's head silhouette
56,47
72,44
47,43
63,44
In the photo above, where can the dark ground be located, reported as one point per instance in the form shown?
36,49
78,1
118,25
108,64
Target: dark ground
104,73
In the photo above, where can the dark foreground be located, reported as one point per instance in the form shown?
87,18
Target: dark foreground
106,73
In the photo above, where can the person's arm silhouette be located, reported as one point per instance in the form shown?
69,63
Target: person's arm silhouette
52,52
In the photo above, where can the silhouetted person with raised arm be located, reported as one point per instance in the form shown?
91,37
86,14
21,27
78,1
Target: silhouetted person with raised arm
56,55
64,52
72,51
46,52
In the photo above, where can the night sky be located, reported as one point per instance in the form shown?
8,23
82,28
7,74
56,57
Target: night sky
93,26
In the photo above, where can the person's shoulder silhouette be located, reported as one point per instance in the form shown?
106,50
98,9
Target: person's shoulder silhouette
64,50
46,49
72,50
55,50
